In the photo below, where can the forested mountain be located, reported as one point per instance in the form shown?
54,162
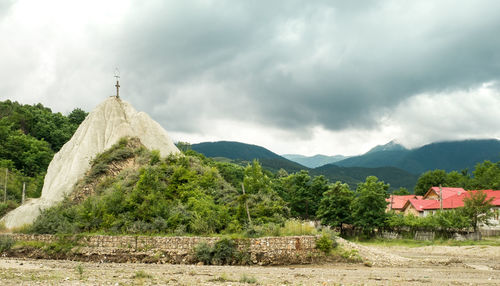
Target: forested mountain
448,156
244,153
314,161
397,178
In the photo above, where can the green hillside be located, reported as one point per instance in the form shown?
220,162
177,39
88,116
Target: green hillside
243,154
397,178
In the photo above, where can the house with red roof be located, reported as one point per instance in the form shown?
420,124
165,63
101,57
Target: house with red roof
442,198
396,203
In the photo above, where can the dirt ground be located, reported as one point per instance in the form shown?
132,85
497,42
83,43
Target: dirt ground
429,265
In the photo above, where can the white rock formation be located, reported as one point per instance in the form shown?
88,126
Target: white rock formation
103,127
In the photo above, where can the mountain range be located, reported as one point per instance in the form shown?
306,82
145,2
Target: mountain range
448,156
392,162
241,153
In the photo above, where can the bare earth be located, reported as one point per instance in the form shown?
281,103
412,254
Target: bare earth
430,265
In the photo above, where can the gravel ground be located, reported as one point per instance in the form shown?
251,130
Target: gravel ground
430,265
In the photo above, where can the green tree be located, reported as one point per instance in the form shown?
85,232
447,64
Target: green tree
401,192
264,203
486,176
303,193
335,206
430,179
77,116
368,209
478,209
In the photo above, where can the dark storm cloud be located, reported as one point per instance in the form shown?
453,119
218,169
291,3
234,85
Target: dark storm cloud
290,65
297,64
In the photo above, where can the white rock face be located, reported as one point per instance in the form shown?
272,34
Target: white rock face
103,127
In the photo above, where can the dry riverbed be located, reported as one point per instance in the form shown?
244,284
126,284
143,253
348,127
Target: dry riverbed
429,265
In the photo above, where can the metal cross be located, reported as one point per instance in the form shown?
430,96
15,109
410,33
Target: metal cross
117,75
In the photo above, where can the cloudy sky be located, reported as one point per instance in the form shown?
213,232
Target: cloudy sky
306,77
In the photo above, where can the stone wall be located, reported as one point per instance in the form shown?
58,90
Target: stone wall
264,250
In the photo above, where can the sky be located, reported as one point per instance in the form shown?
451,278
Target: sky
300,77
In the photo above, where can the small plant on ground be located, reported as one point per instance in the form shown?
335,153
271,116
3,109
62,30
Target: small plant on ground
248,279
79,269
351,255
142,274
222,278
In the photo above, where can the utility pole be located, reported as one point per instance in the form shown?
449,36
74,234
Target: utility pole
5,187
246,204
24,193
441,197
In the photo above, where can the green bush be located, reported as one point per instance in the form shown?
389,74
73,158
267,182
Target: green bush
325,244
203,253
224,251
58,219
6,243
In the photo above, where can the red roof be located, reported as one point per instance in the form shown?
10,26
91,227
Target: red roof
420,205
447,191
453,201
398,202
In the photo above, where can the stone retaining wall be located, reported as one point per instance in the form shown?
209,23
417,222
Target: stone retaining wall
264,250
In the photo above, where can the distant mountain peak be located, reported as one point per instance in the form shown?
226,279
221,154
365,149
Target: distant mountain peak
393,145
314,161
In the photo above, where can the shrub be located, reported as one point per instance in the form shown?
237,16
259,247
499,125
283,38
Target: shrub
6,243
224,251
98,169
203,253
324,243
58,219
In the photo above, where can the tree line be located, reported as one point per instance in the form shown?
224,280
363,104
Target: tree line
195,194
29,137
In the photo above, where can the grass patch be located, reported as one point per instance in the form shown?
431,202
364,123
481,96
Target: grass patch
141,274
297,227
248,279
222,278
62,246
487,241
